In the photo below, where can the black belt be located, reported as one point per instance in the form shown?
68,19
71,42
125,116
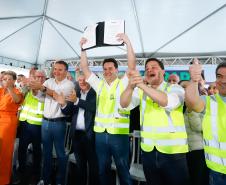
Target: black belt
79,131
54,119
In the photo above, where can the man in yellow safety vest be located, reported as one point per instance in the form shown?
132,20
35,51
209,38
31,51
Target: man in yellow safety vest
163,135
111,121
30,118
214,121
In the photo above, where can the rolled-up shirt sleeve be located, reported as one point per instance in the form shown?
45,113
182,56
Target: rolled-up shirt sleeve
135,100
175,97
94,81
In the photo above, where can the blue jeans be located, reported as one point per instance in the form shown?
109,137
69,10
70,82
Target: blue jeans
54,133
217,178
108,145
165,169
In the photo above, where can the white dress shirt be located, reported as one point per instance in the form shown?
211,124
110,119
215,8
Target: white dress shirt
175,96
81,118
52,108
94,82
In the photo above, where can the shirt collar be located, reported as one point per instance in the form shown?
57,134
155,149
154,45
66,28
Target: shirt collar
85,91
162,86
62,81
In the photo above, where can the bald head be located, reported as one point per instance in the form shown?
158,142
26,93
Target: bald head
173,79
212,89
40,76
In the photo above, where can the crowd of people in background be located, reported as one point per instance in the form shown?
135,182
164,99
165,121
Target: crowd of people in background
182,123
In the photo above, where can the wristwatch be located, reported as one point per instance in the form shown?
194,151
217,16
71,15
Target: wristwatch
43,89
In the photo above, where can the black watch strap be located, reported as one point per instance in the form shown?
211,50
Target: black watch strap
44,89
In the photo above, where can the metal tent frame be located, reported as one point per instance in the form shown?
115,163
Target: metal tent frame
141,57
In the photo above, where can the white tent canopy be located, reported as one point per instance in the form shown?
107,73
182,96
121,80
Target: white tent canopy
35,31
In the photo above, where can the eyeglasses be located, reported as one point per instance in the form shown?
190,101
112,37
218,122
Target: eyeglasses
40,76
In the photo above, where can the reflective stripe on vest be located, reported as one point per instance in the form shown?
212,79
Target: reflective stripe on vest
126,115
36,111
115,121
32,110
165,142
112,125
170,135
214,134
28,117
215,159
214,143
164,129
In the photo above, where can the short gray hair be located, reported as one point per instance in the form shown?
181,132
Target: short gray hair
41,71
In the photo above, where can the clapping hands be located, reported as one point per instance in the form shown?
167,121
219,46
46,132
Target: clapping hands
62,100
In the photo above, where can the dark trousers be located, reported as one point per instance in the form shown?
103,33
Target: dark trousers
84,151
199,173
165,169
30,133
217,178
116,145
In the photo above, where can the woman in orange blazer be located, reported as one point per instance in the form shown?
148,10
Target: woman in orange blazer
10,99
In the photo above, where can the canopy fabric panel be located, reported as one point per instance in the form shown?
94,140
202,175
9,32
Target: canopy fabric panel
36,31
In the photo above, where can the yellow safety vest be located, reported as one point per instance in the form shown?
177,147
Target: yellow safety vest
214,133
160,128
32,110
109,116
